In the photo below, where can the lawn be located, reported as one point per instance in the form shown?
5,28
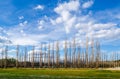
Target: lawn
61,73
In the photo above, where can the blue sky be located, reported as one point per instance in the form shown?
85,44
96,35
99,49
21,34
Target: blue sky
30,22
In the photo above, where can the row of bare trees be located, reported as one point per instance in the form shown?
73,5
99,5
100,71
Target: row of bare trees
53,55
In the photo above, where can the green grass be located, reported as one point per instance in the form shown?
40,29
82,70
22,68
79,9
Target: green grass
13,73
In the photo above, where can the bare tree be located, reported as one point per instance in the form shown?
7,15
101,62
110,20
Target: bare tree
70,53
25,57
5,63
97,54
83,59
49,55
41,56
45,55
57,54
53,55
78,59
92,57
17,51
86,56
2,54
117,59
33,51
74,52
65,55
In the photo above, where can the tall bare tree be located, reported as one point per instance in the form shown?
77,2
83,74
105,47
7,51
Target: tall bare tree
83,59
92,57
33,52
74,53
86,56
53,55
5,63
97,54
57,54
65,54
78,59
41,56
49,55
45,49
70,53
2,54
25,57
17,51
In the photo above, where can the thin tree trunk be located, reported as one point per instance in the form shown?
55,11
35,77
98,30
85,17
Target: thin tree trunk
78,60
53,55
25,57
86,56
33,51
17,51
74,52
92,57
5,64
70,53
41,57
49,55
45,55
2,54
57,54
65,55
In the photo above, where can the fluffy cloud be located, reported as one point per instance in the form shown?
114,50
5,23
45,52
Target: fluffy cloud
39,7
21,17
65,16
4,40
23,23
87,4
84,25
69,21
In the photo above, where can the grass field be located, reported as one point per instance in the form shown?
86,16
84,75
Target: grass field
13,73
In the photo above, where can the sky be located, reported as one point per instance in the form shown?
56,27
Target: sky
32,22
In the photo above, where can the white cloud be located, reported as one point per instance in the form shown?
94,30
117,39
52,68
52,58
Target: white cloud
70,6
24,41
40,27
21,31
41,23
4,40
87,4
65,16
24,23
84,25
21,17
69,21
39,7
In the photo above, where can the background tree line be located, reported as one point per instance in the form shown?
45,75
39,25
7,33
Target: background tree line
50,56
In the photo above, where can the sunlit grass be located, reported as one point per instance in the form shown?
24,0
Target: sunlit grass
21,73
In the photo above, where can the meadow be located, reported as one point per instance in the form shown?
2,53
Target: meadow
58,73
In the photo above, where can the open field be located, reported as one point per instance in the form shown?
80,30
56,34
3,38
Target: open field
61,73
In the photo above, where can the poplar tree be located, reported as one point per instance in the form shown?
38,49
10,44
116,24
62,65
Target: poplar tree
53,55
86,56
33,51
25,57
49,55
74,52
57,54
41,56
5,63
65,54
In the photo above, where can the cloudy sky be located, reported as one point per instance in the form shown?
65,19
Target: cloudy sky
31,22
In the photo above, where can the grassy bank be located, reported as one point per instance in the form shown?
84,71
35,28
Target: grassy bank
14,73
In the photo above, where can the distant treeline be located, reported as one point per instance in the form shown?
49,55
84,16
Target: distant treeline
73,56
